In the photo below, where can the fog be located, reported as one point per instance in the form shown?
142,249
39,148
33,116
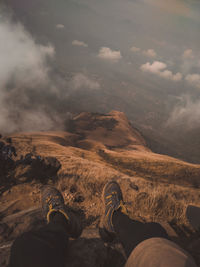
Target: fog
30,91
24,71
186,114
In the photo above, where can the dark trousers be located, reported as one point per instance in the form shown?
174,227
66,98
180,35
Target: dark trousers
131,233
43,248
47,246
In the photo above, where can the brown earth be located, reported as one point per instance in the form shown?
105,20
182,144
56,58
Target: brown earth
95,149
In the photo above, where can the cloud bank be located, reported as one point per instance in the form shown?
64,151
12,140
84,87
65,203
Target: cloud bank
193,79
21,58
185,114
159,68
31,95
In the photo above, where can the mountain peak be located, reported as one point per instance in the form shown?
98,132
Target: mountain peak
112,130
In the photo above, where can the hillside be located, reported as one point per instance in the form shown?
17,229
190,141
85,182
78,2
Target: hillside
97,148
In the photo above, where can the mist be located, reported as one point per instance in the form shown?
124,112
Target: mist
185,114
24,71
32,94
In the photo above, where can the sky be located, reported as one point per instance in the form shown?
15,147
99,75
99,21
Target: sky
141,57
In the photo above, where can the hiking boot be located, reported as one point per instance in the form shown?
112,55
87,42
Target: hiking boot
113,201
53,202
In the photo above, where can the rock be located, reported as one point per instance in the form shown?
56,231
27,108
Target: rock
51,162
41,169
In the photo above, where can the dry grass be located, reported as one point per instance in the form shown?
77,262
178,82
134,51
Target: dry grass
165,184
96,155
154,167
162,203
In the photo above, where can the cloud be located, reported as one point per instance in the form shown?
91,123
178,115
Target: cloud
159,68
21,57
188,54
27,89
109,54
79,43
193,79
185,114
60,26
190,61
135,49
155,67
149,53
33,96
80,80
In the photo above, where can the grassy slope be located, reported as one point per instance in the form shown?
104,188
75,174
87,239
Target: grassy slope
163,181
166,185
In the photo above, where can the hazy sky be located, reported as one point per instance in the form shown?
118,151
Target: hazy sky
138,56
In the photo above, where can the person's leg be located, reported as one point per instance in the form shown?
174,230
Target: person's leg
46,247
115,221
43,248
131,232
